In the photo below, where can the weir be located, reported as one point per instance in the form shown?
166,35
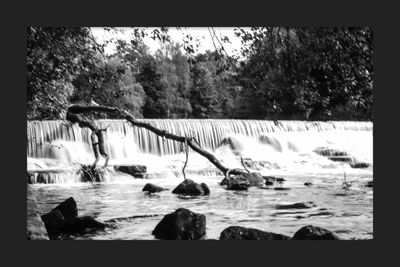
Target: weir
43,136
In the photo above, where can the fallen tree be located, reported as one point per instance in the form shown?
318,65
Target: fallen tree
73,115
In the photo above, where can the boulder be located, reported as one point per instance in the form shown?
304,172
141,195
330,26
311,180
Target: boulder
136,171
311,232
182,224
238,184
81,225
252,178
243,233
64,219
68,208
299,205
190,188
152,188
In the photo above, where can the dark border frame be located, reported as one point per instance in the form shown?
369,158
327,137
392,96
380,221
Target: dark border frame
294,13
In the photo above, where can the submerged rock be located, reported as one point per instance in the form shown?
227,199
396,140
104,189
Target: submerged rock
360,165
311,232
282,188
253,179
299,205
189,188
270,180
308,184
330,152
182,224
152,188
137,171
243,233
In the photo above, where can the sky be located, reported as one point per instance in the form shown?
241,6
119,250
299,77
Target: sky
202,34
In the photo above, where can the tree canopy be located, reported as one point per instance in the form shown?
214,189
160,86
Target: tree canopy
310,73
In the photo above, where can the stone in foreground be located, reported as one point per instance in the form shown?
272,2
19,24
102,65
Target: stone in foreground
190,188
243,233
299,205
311,232
152,188
64,219
182,224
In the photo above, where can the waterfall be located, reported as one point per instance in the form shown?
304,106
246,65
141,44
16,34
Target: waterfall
55,149
47,138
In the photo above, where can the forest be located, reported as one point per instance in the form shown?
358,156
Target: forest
281,73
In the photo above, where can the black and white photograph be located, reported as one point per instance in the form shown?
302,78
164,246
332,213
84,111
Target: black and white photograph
199,133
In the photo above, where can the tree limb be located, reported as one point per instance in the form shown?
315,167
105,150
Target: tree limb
74,110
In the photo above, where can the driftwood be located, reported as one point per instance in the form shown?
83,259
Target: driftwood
73,116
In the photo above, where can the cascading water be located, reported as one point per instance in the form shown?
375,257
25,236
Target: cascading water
285,149
283,144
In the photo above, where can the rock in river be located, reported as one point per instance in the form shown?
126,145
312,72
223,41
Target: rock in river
299,205
182,224
190,188
311,232
243,233
152,188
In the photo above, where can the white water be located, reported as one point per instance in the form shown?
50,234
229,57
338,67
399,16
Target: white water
284,150
287,146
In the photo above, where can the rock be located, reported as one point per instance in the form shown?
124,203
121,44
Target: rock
330,152
346,159
308,184
360,165
152,188
190,188
237,184
281,188
252,178
68,208
369,184
81,225
92,175
311,232
243,233
134,170
300,205
182,224
270,180
53,220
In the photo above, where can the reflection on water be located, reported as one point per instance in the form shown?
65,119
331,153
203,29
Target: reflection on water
349,213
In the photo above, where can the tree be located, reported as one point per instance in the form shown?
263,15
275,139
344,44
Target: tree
55,56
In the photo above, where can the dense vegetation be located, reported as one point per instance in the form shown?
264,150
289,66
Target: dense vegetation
281,73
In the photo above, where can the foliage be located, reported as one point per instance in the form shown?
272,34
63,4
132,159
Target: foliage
282,73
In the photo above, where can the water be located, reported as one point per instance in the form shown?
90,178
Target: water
286,151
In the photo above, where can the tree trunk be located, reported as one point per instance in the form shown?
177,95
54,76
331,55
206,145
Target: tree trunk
74,110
